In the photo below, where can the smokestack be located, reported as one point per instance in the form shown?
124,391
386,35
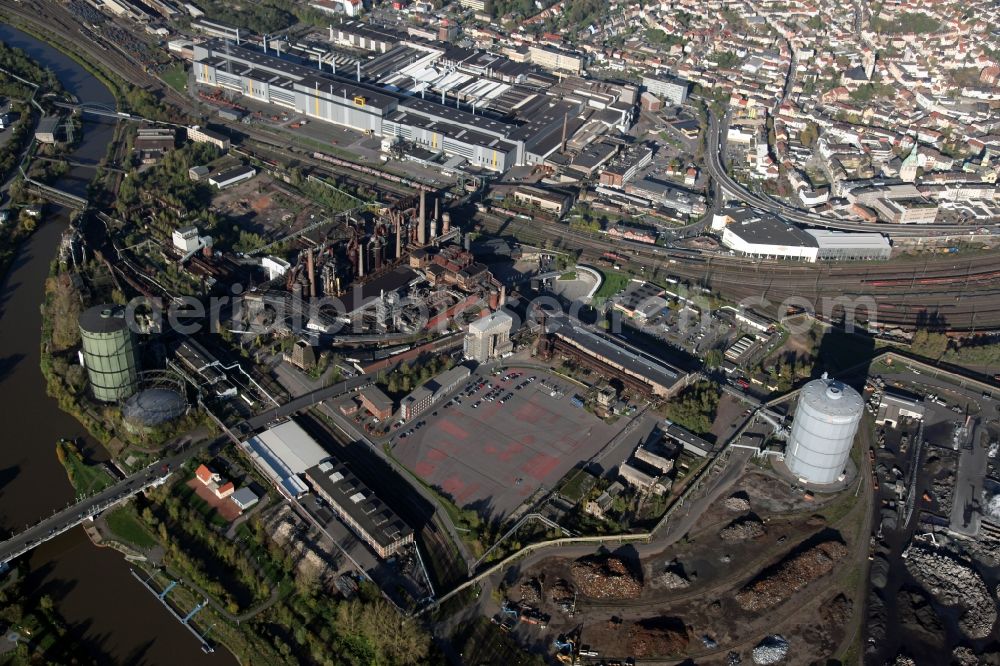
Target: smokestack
277,47
422,220
312,273
434,220
237,36
468,242
399,238
265,44
333,64
437,208
565,123
446,223
359,71
361,260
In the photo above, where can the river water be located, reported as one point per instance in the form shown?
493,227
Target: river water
110,614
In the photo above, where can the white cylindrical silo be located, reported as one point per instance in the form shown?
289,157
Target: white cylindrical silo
826,420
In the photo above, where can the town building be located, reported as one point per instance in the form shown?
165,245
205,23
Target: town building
624,169
488,338
670,89
283,453
244,498
893,407
916,210
422,397
845,246
635,370
350,8
641,300
551,201
231,177
204,135
359,508
151,144
556,59
377,403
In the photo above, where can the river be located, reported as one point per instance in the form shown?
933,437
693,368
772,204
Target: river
110,614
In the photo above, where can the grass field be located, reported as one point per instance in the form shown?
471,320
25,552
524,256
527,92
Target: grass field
86,479
126,526
176,77
578,484
613,283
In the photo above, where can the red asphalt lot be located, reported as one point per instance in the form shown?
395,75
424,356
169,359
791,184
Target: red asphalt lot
494,457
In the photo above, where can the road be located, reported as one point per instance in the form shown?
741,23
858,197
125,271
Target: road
303,401
976,308
714,151
75,514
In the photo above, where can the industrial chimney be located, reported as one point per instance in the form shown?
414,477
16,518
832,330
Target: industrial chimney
422,220
312,273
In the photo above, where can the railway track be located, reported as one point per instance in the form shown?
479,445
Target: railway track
938,278
957,291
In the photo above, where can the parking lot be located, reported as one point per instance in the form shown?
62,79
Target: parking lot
492,455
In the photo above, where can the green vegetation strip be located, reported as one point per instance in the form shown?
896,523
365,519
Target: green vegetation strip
86,479
124,524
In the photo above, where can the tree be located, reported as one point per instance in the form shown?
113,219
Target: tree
694,408
929,344
713,359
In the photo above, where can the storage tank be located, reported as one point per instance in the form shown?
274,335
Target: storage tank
109,353
826,420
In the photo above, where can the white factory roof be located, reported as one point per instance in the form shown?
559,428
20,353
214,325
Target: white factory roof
486,323
284,452
826,239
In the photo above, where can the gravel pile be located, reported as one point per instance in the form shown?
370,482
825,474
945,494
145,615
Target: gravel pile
742,530
737,503
561,592
790,576
954,583
531,591
771,650
673,581
605,578
963,656
903,660
658,636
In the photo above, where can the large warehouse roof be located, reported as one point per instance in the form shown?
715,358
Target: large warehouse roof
284,452
769,230
607,350
826,239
